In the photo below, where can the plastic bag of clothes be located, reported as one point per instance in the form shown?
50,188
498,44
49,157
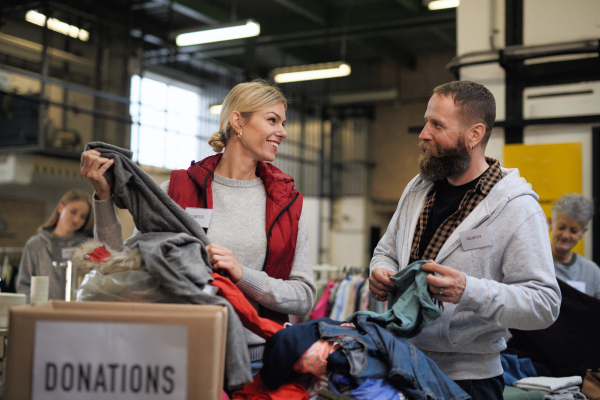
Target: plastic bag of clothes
138,286
116,276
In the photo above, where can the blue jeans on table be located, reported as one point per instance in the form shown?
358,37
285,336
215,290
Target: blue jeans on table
256,366
376,354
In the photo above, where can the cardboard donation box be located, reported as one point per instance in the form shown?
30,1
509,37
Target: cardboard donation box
97,350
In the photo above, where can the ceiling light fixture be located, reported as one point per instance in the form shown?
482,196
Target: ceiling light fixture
58,26
441,4
215,109
219,33
310,72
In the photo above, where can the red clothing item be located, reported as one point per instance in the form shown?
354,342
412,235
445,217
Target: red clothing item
263,327
321,310
256,390
192,188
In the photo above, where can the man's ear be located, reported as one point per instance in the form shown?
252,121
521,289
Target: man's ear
549,223
476,132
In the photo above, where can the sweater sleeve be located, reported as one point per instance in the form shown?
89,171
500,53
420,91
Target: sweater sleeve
528,297
26,270
294,296
385,255
107,227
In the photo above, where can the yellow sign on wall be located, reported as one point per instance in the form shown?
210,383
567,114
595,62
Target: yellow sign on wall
553,170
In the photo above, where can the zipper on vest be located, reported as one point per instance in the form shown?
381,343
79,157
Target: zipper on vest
271,228
204,188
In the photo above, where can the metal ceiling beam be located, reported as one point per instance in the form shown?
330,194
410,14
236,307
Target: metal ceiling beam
194,9
450,40
146,6
308,56
413,5
390,52
310,9
355,32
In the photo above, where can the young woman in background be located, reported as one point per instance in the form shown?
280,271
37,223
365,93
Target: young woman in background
70,224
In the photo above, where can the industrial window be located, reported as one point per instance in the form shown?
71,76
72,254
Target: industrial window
168,120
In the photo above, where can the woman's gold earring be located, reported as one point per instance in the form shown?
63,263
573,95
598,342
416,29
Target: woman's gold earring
239,134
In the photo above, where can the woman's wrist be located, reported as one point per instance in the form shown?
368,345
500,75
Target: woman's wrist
103,195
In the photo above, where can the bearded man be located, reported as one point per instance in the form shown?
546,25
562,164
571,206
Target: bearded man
485,237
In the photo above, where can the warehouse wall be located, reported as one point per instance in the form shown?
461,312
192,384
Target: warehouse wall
545,22
100,64
394,150
393,153
31,185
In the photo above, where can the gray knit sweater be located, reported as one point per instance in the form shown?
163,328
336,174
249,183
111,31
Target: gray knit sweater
238,223
582,270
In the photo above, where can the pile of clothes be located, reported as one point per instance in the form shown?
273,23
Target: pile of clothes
523,382
334,359
367,358
567,388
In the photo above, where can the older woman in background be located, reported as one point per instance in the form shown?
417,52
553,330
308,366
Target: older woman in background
571,215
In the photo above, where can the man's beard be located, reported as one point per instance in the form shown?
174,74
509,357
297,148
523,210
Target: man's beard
439,163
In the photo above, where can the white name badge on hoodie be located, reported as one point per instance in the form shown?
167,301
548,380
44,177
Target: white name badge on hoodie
67,252
201,215
475,239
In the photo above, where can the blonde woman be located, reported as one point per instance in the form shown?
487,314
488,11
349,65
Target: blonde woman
257,229
69,225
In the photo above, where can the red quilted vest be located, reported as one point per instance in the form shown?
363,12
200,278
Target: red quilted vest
192,188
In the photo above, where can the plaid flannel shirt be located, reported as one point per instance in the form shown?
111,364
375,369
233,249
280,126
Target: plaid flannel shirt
472,198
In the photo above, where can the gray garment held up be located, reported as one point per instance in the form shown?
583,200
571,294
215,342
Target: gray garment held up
173,248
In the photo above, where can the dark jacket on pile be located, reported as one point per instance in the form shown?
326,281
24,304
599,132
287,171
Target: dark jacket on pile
173,248
368,352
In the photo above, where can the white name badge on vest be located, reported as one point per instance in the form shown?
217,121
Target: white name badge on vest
104,360
67,252
201,215
475,239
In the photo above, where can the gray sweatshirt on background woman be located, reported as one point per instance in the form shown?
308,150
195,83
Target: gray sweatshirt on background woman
238,223
38,255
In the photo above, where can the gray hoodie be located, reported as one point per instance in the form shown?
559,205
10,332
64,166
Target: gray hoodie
40,251
510,284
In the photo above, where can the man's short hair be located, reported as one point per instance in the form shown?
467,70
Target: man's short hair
475,104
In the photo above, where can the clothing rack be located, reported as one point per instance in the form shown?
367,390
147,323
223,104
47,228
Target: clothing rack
325,272
9,260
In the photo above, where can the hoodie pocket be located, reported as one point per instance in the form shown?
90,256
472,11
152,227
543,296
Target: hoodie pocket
435,336
473,335
460,327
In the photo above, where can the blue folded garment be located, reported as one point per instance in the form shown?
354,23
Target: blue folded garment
516,368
